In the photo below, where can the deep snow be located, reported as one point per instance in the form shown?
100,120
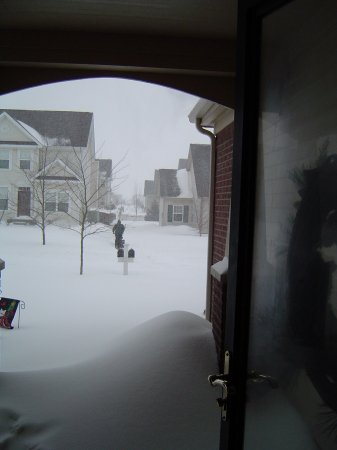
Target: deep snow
70,318
115,375
149,391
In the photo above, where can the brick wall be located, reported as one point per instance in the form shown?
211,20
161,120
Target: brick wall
223,190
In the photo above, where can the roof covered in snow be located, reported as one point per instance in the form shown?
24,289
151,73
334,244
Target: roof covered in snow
59,127
169,186
183,182
201,157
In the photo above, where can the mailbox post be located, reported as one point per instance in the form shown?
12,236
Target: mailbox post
128,257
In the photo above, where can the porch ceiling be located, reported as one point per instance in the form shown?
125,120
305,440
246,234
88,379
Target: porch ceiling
202,18
184,44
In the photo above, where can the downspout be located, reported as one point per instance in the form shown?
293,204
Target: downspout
211,218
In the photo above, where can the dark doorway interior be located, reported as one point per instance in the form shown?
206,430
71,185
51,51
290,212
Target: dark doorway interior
24,201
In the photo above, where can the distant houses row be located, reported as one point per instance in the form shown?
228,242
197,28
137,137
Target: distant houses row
182,194
49,173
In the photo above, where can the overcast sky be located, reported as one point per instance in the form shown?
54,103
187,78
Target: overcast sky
147,121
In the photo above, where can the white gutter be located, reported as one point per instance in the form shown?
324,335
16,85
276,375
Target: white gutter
211,218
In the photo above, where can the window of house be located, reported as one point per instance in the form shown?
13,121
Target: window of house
4,159
25,159
57,202
177,213
63,202
102,201
50,201
3,198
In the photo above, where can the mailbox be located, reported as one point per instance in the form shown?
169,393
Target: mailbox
131,253
120,253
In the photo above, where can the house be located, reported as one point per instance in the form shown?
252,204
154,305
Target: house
183,193
220,119
274,62
46,158
175,202
104,183
150,191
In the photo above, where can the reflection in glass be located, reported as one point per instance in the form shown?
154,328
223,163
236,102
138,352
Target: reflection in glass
293,333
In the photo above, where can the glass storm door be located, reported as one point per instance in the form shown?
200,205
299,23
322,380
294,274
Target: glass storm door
281,330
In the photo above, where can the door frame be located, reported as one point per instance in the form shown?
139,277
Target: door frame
250,15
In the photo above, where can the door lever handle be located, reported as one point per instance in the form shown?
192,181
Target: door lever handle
259,378
218,380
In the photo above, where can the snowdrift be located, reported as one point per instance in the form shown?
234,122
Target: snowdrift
150,391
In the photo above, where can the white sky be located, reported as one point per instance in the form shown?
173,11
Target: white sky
149,121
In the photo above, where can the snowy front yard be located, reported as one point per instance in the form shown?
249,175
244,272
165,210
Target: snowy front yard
124,372
71,318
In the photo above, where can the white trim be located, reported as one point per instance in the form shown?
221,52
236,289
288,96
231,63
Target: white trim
182,214
8,187
212,115
67,169
17,124
10,158
19,158
57,202
224,120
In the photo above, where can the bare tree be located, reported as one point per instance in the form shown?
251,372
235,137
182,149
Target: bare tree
3,202
85,193
37,174
201,211
137,198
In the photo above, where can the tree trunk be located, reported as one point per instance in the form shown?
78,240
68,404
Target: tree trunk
43,232
81,264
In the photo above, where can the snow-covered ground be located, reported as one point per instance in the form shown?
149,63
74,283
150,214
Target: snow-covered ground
70,318
122,371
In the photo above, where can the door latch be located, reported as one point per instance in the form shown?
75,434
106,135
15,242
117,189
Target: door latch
227,390
259,378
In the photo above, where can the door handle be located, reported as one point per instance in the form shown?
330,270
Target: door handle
222,381
259,378
218,380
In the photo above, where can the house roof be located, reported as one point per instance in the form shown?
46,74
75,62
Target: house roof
68,127
105,165
182,164
169,186
149,188
201,157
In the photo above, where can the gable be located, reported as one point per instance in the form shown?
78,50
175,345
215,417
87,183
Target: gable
57,171
12,132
